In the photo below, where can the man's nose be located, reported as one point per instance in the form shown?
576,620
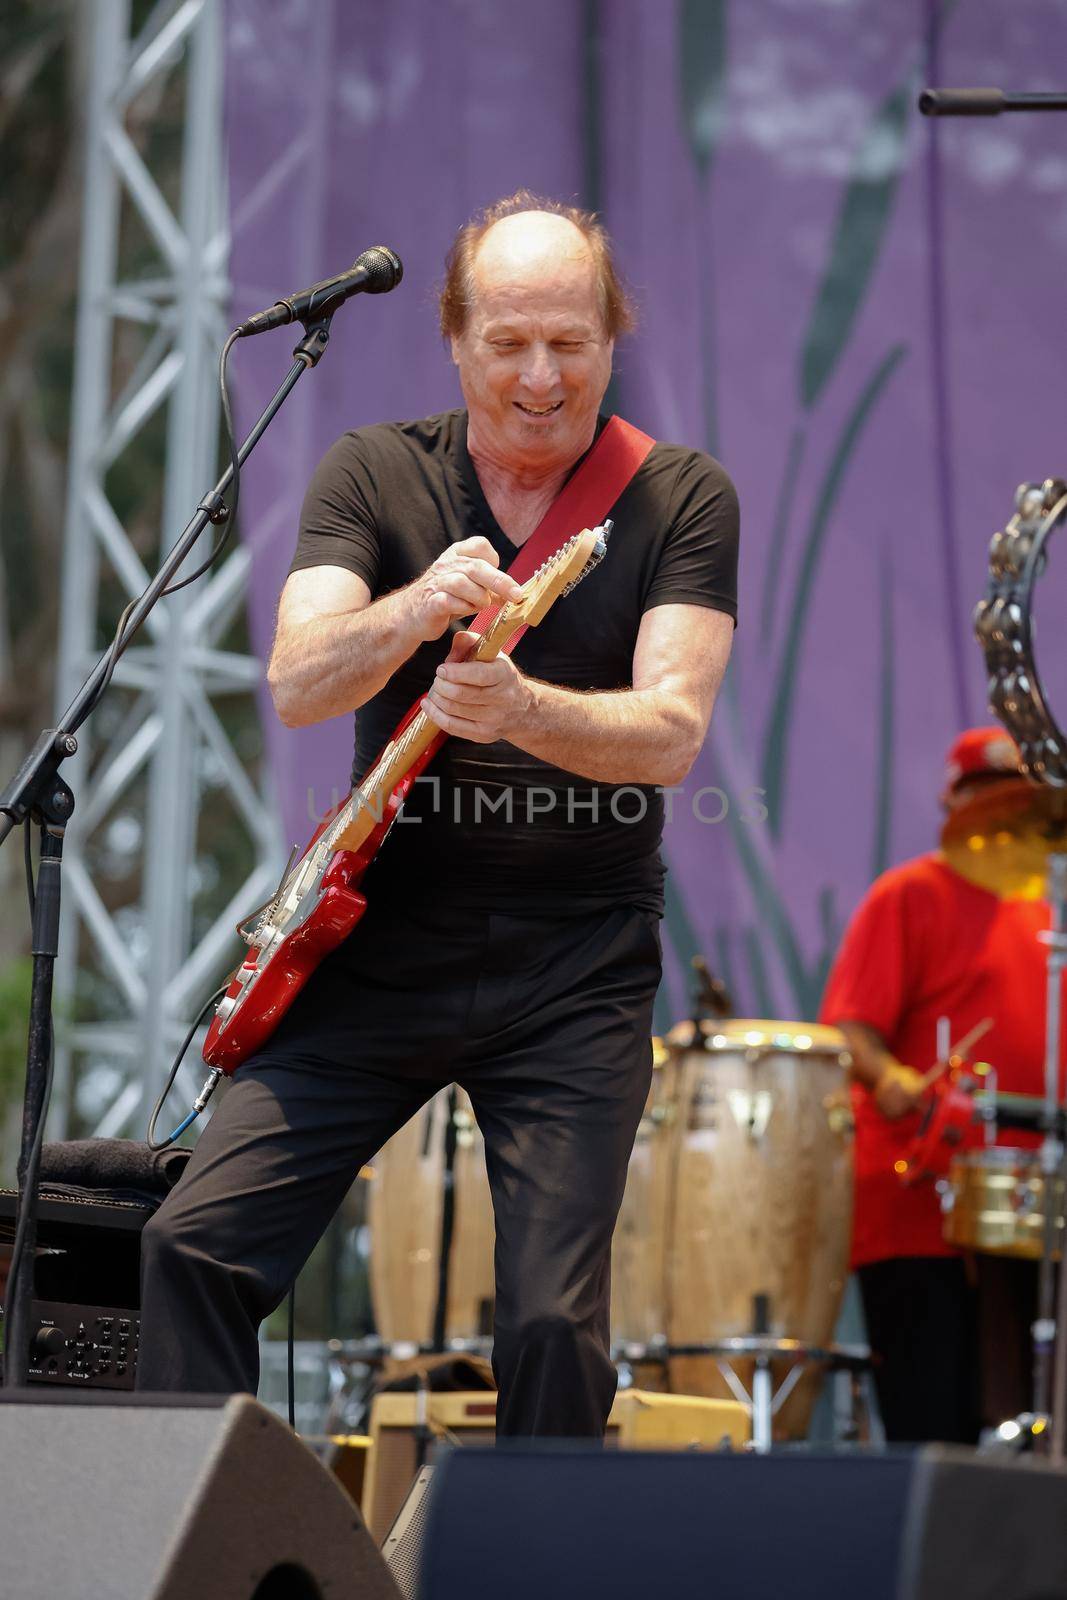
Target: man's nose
541,369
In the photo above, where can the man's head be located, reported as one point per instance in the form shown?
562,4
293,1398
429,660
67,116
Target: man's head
979,760
532,305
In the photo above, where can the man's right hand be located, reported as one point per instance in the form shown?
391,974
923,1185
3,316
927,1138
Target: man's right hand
460,582
898,1090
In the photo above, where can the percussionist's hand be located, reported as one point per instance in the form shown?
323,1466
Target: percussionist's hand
460,582
478,700
898,1091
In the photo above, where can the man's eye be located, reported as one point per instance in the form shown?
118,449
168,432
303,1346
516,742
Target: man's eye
570,344
505,344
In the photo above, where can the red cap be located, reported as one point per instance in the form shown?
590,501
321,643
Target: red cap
979,752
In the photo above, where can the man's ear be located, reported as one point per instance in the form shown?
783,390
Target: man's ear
454,346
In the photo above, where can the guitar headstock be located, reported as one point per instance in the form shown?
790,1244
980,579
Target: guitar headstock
555,577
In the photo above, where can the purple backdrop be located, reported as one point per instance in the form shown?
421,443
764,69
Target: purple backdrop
859,311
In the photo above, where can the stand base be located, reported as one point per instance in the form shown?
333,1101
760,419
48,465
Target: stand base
1026,1434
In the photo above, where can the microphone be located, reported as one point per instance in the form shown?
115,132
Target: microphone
376,271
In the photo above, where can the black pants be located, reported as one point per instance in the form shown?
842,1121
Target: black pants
951,1341
546,1024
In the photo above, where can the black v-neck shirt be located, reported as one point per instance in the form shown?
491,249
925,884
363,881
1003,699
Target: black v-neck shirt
499,827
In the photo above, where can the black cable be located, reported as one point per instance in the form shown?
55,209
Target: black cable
33,1167
226,520
168,1086
27,856
291,1362
28,1182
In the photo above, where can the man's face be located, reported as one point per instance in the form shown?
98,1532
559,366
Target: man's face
534,359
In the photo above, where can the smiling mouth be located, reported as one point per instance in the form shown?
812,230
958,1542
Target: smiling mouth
538,411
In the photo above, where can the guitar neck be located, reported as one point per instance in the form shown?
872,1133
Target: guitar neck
368,802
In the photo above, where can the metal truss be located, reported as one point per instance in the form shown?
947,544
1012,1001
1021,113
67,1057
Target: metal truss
149,905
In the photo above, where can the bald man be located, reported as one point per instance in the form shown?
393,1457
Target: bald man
511,942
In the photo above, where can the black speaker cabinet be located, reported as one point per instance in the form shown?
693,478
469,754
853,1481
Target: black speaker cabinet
930,1525
148,1499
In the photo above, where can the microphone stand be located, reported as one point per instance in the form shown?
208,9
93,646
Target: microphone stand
448,1224
1049,1329
38,794
985,102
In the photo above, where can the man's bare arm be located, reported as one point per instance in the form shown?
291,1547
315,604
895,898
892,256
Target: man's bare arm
650,733
897,1087
334,648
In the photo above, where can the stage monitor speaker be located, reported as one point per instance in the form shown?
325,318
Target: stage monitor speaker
403,1545
929,1525
145,1499
638,1421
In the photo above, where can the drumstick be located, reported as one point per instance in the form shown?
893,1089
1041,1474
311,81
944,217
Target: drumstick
962,1051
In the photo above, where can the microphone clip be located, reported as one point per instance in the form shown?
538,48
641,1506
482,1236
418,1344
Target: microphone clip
312,346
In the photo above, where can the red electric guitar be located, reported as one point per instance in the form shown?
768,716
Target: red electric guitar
318,902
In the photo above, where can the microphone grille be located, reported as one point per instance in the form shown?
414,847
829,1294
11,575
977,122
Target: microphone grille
383,267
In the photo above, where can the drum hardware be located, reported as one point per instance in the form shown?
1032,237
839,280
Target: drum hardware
764,1400
711,997
431,1230
354,1371
752,1112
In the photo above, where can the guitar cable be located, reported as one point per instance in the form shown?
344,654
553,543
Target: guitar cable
210,1083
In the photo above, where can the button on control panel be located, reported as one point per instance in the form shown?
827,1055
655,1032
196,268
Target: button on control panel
83,1345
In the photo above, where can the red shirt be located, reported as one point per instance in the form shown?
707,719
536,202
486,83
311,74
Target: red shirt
926,943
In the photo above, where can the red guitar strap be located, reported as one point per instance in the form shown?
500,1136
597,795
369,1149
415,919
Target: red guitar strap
583,502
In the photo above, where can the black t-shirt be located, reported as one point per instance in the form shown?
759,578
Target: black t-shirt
499,827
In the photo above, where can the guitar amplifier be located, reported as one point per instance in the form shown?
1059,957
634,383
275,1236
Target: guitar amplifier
86,1279
638,1421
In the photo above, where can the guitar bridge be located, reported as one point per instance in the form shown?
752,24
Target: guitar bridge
252,936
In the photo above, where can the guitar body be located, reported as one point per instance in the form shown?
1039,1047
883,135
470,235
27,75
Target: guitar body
318,901
267,982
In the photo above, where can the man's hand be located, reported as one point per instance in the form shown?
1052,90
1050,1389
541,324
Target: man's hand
460,582
477,700
898,1090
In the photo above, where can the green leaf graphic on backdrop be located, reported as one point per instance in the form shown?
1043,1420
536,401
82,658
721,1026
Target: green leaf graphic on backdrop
761,987
861,225
702,75
830,934
724,962
779,530
702,64
775,742
865,212
682,937
775,922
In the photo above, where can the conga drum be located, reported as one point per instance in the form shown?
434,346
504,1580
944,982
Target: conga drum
762,1195
638,1251
406,1202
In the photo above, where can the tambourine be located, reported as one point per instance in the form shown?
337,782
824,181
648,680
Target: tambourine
1003,625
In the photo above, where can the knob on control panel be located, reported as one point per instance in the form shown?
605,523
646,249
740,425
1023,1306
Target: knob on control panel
48,1341
87,1346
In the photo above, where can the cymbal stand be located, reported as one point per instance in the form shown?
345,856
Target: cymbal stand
1049,1402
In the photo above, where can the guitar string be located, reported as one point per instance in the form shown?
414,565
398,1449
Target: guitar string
397,748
